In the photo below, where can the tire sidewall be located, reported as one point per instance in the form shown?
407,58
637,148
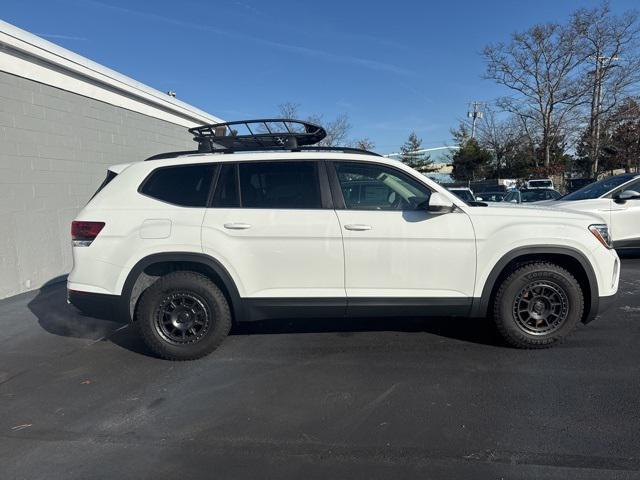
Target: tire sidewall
520,280
200,286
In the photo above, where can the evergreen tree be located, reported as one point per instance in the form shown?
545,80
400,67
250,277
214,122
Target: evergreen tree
411,156
471,161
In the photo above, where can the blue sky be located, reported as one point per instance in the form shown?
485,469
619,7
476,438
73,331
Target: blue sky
393,67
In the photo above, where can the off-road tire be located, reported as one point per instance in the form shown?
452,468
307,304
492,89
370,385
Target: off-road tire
510,326
210,305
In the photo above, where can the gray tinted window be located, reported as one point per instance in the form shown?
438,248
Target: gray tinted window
279,185
184,185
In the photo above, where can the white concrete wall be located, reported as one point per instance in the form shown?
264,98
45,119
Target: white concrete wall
63,120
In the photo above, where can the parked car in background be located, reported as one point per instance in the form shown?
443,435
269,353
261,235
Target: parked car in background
492,185
539,183
617,200
531,195
491,197
465,194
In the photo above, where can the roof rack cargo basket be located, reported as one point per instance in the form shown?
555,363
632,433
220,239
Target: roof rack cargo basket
248,135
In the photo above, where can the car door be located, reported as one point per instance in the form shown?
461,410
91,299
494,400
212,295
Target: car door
397,254
625,218
272,225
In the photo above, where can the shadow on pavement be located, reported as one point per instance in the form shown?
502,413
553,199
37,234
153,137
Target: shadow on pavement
59,318
472,330
56,316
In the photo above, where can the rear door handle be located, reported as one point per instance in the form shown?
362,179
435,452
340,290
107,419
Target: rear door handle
237,226
357,227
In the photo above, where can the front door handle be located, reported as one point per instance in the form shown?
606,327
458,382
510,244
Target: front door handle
237,226
357,227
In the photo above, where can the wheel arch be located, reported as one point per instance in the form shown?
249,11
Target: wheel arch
151,267
567,257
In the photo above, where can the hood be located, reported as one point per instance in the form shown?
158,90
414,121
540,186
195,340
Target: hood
594,205
538,212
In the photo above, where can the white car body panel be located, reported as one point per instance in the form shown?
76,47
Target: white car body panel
309,253
623,218
283,253
408,254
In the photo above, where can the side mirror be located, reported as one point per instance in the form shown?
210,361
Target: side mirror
438,203
479,199
622,197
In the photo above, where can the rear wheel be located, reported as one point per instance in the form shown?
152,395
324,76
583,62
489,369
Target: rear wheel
538,305
183,316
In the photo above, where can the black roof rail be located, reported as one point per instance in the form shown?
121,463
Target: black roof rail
311,148
360,151
266,133
160,156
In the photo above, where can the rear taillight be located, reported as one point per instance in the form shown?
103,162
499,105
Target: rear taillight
83,233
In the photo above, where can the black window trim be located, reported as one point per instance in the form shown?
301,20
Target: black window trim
326,201
336,189
214,174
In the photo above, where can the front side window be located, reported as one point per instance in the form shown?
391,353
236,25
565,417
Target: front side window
279,185
376,187
183,185
633,186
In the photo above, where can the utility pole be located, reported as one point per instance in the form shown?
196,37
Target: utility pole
474,113
596,106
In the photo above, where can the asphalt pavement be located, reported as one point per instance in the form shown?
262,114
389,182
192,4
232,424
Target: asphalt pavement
435,398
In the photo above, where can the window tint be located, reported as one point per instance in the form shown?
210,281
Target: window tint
184,185
279,185
376,187
226,195
597,189
633,186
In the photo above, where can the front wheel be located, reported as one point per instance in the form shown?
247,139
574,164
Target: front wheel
538,305
183,316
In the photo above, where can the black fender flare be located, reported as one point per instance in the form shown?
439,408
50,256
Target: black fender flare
481,305
192,257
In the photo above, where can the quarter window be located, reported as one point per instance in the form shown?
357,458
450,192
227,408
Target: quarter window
184,185
279,185
375,187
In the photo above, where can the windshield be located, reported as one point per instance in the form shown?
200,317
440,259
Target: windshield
492,196
540,184
597,189
537,195
464,195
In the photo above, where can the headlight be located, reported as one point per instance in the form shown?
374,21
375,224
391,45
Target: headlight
601,232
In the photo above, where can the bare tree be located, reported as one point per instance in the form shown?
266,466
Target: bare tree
337,129
502,137
610,44
364,144
289,110
541,67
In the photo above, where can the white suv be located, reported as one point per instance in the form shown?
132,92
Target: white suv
185,244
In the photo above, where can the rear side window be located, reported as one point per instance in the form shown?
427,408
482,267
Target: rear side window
279,185
184,185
